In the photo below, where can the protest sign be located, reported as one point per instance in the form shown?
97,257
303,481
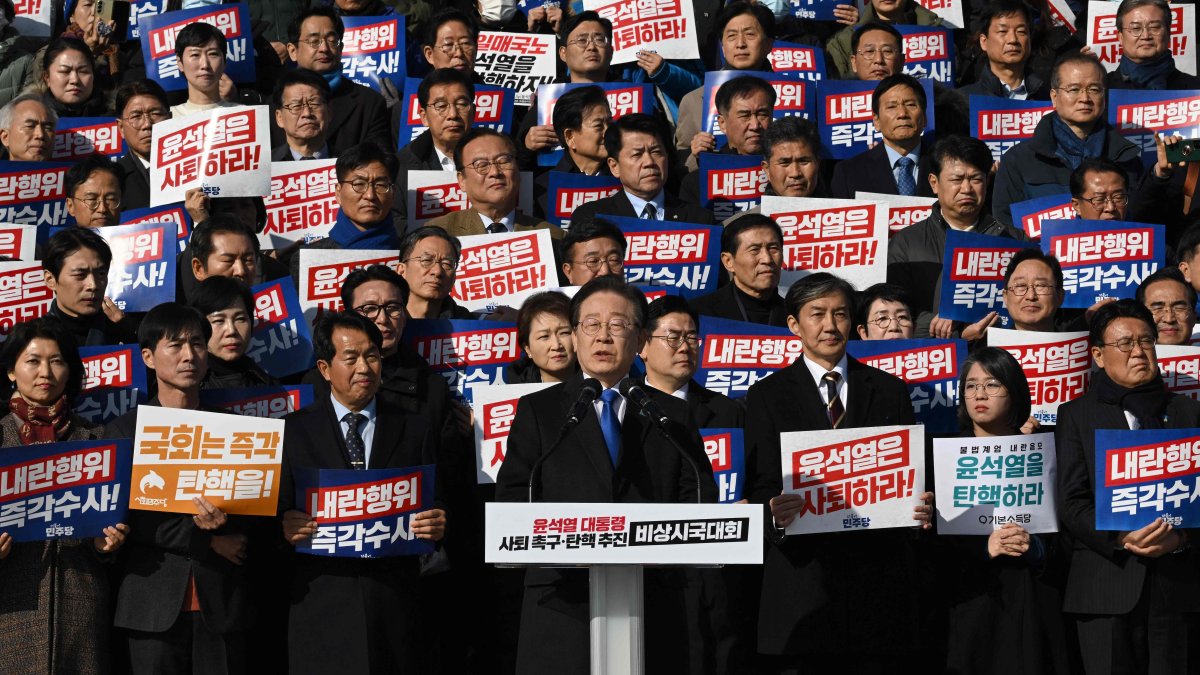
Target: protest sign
1057,365
726,450
566,191
987,483
854,479
322,272
730,184
1138,115
493,109
24,295
671,253
303,199
1002,123
495,407
931,369
1030,214
520,63
33,18
281,343
928,53
816,10
1145,475
846,235
142,273
1180,368
623,99
666,27
158,33
1105,40
364,513
469,354
951,11
432,194
32,193
17,242
736,354
793,96
973,275
230,460
274,401
1103,259
902,211
78,137
70,490
169,213
139,9
806,61
503,269
845,120
1061,15
225,152
373,50
114,382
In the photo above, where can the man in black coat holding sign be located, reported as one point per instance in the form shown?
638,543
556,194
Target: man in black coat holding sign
354,615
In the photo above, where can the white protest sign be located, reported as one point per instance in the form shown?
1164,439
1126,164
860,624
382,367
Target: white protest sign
17,241
846,235
902,211
322,272
1105,40
32,18
435,193
951,11
225,151
985,483
1180,368
667,27
520,62
503,269
1057,365
495,407
303,201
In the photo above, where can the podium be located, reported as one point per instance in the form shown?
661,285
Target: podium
616,542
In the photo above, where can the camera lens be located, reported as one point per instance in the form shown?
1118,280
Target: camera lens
1187,149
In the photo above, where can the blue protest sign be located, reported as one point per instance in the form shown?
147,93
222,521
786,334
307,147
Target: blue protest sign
806,61
669,253
931,369
1001,123
730,183
31,193
142,274
928,53
726,451
815,10
281,343
1103,258
623,98
1145,475
736,354
114,382
468,353
70,490
1138,115
973,275
167,213
793,96
845,119
138,10
265,401
158,35
1031,213
78,137
493,109
364,514
373,49
566,191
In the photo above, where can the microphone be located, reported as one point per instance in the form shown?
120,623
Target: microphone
591,389
638,397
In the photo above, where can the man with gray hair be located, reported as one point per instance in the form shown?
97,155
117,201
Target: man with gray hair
1146,61
27,129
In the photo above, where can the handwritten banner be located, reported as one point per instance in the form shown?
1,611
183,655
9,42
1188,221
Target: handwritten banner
1142,476
973,275
987,483
142,274
846,235
520,63
726,450
158,33
1057,365
373,50
114,382
931,369
225,153
736,354
495,407
1103,259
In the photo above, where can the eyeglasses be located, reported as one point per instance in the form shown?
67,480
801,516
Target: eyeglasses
360,186
1117,198
674,340
1136,29
888,53
428,261
483,166
393,310
463,106
110,202
1159,310
137,117
1126,344
467,47
991,388
1074,90
616,327
885,322
599,39
1020,290
331,41
311,104
614,261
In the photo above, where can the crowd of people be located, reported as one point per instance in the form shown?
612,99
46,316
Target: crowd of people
221,593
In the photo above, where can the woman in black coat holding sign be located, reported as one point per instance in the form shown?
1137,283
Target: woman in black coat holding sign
54,613
1002,614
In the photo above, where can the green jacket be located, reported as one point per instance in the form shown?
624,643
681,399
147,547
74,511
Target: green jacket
16,64
839,44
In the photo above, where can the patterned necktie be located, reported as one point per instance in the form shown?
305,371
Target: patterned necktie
904,176
610,426
835,408
650,212
354,440
497,228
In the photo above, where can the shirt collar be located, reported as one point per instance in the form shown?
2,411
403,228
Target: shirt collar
818,371
1013,92
446,161
639,204
340,410
323,153
893,156
682,392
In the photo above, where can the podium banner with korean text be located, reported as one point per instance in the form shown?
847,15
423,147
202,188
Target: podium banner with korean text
973,275
806,61
33,18
324,270
845,119
493,109
1057,365
230,460
1145,475
566,191
142,274
931,368
854,479
169,213
1105,40
70,490
470,354
114,382
33,193
736,354
1103,259
726,450
432,194
1179,366
364,514
1030,214
1001,123
846,235
951,11
373,50
303,200
18,242
272,401
730,184
158,34
984,484
555,533
1138,115
78,137
928,53
520,63
495,407
281,343
793,97
24,295
670,253
503,269
225,152
666,27
902,211
623,99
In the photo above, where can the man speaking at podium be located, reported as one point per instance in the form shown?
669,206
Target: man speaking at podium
607,453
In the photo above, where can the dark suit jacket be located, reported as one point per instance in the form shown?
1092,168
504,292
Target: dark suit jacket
135,183
467,221
1104,579
723,304
870,172
357,114
839,593
416,156
619,205
706,408
162,551
283,153
364,606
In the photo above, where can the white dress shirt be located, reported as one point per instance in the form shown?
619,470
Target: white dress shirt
818,371
366,429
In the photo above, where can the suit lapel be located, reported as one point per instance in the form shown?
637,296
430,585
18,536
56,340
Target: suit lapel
623,206
389,435
336,444
471,222
809,400
859,379
587,434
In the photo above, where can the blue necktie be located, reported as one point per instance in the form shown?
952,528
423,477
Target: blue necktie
904,176
354,440
610,426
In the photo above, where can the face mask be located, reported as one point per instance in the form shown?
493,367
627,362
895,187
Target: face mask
497,11
780,8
